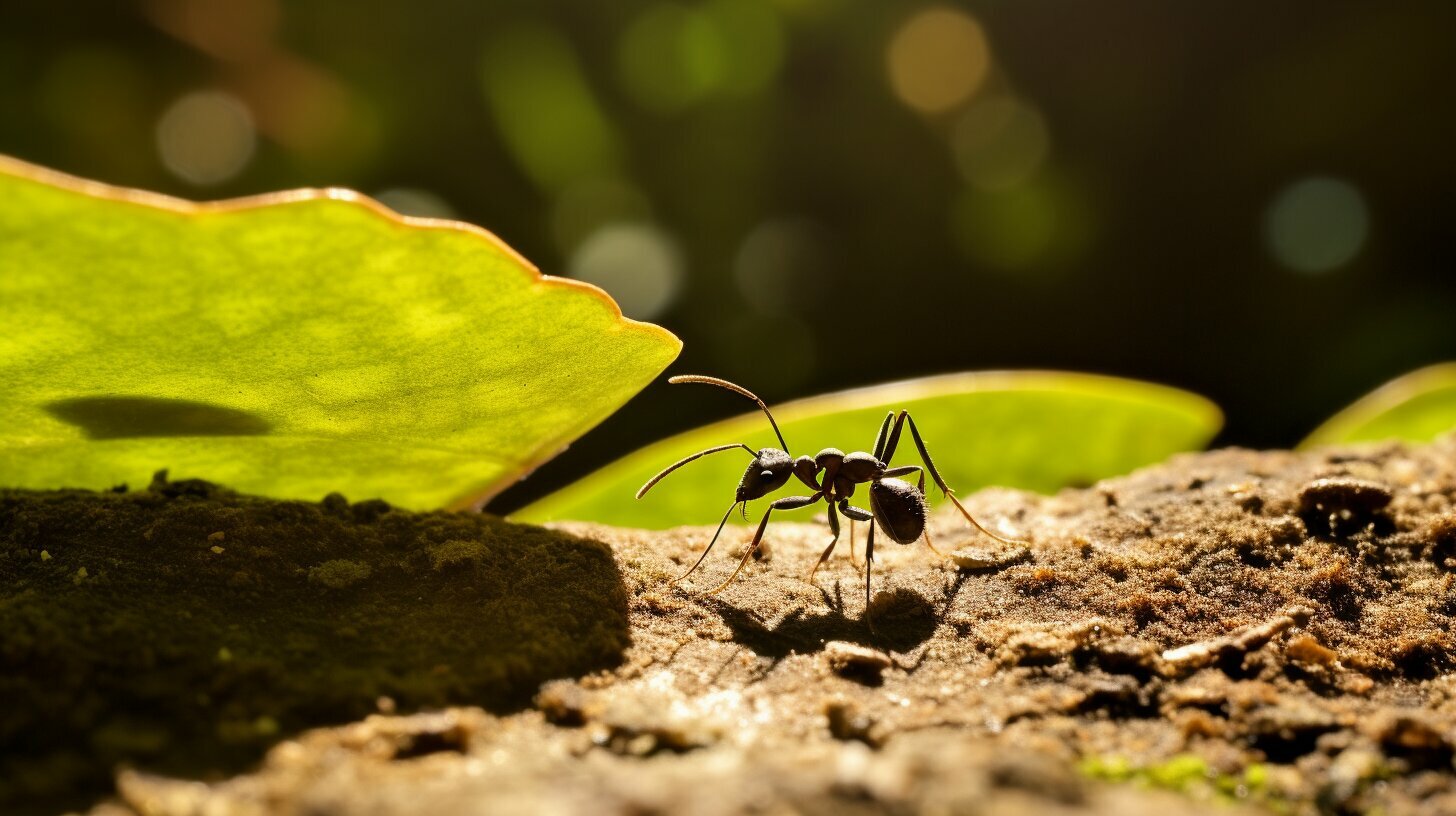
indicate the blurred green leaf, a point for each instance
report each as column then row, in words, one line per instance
column 289, row 346
column 1034, row 430
column 1417, row 407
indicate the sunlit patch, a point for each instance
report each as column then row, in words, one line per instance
column 137, row 417
column 779, row 263
column 938, row 59
column 1316, row 224
column 999, row 142
column 416, row 202
column 206, row 137
column 588, row 205
column 1035, row 230
column 640, row 266
column 544, row 108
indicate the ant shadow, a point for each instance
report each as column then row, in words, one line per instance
column 902, row 620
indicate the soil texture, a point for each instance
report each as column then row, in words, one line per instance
column 1266, row 630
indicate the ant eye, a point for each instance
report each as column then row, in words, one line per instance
column 765, row 474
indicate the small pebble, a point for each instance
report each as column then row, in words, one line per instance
column 849, row 658
column 993, row 556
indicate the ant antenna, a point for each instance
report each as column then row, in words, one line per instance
column 699, row 378
column 685, row 460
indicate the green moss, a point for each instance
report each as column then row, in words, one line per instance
column 171, row 657
column 339, row 573
column 1190, row 775
column 456, row 551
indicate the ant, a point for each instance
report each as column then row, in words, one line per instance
column 896, row 505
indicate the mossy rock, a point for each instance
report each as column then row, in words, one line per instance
column 185, row 628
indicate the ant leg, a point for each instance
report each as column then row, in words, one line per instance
column 854, row 514
column 869, row 563
column 880, row 439
column 786, row 503
column 920, row 484
column 935, row 474
column 710, row 543
column 833, row 528
column 679, row 463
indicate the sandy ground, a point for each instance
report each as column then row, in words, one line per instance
column 1263, row 629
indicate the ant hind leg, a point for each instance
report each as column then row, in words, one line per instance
column 905, row 417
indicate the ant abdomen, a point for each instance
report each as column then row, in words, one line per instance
column 899, row 509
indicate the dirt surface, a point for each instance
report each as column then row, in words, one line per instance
column 1270, row 630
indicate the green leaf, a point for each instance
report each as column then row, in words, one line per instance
column 1417, row 407
column 1034, row 430
column 290, row 345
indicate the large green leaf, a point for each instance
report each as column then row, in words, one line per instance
column 1417, row 407
column 1033, row 430
column 289, row 345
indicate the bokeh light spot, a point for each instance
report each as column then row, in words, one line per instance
column 999, row 142
column 587, row 205
column 232, row 30
column 938, row 59
column 415, row 202
column 1316, row 224
column 1034, row 231
column 670, row 57
column 753, row 43
column 206, row 137
column 545, row 109
column 780, row 264
column 640, row 266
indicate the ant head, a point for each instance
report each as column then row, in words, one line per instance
column 770, row 469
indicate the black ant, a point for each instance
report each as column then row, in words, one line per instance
column 895, row 504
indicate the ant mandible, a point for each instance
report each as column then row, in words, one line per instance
column 895, row 504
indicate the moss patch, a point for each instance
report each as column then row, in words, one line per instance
column 185, row 628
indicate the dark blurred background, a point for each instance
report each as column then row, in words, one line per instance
column 1249, row 200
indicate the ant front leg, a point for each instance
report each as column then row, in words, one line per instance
column 894, row 439
column 697, row 563
column 786, row 503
